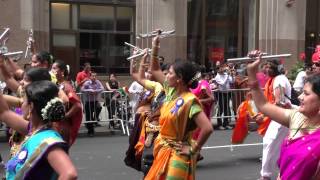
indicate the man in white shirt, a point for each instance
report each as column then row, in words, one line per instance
column 224, row 80
column 275, row 133
column 135, row 90
column 299, row 81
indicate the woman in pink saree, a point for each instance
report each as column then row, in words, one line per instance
column 203, row 93
column 300, row 151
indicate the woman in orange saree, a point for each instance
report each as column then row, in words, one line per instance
column 174, row 150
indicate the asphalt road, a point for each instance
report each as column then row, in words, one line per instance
column 101, row 157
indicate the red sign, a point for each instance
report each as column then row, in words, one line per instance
column 216, row 54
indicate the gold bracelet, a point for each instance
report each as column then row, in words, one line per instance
column 155, row 56
column 191, row 151
column 20, row 102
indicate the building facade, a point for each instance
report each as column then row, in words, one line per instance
column 207, row 31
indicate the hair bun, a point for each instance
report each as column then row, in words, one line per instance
column 53, row 111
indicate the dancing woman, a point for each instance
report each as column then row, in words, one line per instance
column 43, row 153
column 300, row 151
column 138, row 138
column 174, row 151
column 31, row 75
column 70, row 126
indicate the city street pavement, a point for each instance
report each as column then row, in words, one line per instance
column 101, row 157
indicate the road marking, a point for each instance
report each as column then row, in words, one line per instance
column 231, row 146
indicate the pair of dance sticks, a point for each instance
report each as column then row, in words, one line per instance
column 163, row 34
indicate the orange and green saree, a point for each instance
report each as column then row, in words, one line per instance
column 176, row 126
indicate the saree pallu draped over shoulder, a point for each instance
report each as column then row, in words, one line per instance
column 300, row 157
column 176, row 127
column 30, row 162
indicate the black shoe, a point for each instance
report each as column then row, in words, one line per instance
column 199, row 158
column 90, row 134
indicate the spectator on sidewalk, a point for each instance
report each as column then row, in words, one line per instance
column 83, row 75
column 224, row 80
column 92, row 88
column 111, row 85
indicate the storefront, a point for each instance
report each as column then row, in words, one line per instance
column 207, row 31
column 312, row 27
column 92, row 32
column 218, row 30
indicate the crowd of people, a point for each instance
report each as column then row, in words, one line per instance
column 172, row 105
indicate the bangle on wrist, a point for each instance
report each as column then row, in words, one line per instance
column 191, row 151
column 155, row 56
column 20, row 102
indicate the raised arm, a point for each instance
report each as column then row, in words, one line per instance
column 140, row 76
column 12, row 84
column 12, row 119
column 274, row 112
column 155, row 65
column 15, row 68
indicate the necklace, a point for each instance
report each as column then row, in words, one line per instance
column 304, row 127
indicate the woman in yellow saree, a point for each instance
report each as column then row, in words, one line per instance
column 174, row 151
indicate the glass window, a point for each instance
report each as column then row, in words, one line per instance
column 118, row 53
column 74, row 17
column 60, row 16
column 124, row 19
column 64, row 40
column 222, row 29
column 105, row 52
column 96, row 17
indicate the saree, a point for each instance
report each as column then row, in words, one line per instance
column 69, row 127
column 300, row 157
column 268, row 93
column 137, row 136
column 132, row 159
column 30, row 161
column 203, row 85
column 240, row 130
column 176, row 126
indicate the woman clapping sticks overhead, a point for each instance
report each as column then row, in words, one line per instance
column 181, row 114
column 300, row 151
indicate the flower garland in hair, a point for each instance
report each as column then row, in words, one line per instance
column 54, row 110
column 196, row 77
